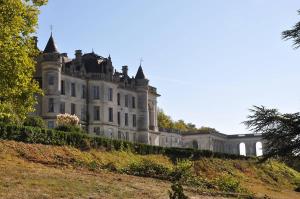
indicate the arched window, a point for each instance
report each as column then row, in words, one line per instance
column 242, row 148
column 258, row 147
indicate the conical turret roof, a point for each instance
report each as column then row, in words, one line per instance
column 50, row 47
column 140, row 73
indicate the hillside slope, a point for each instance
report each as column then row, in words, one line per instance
column 40, row 171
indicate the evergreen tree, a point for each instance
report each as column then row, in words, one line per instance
column 280, row 131
column 18, row 21
column 293, row 34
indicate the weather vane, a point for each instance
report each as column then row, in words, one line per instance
column 141, row 61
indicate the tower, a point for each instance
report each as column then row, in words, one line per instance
column 50, row 63
column 142, row 104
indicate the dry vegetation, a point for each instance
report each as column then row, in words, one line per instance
column 40, row 171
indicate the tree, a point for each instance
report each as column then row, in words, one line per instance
column 293, row 34
column 18, row 21
column 164, row 121
column 281, row 131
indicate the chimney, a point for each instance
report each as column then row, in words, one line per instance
column 125, row 70
column 78, row 54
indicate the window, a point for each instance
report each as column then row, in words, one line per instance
column 126, row 100
column 126, row 119
column 134, row 120
column 73, row 90
column 51, row 80
column 62, row 87
column 83, row 113
column 110, row 94
column 96, row 94
column 127, row 136
column 62, row 107
column 96, row 113
column 97, row 130
column 119, row 99
column 83, row 92
column 119, row 118
column 51, row 105
column 73, row 109
column 110, row 115
column 133, row 102
column 134, row 137
column 119, row 135
column 50, row 124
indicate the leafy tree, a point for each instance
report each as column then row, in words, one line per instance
column 281, row 131
column 293, row 34
column 180, row 125
column 164, row 121
column 18, row 21
column 35, row 121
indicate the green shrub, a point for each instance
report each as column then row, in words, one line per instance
column 34, row 121
column 228, row 183
column 70, row 128
column 177, row 191
column 147, row 168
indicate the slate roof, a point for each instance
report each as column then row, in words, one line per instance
column 50, row 47
column 140, row 73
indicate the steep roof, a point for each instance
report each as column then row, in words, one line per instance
column 140, row 73
column 50, row 47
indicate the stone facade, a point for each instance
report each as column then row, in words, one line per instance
column 109, row 103
column 112, row 104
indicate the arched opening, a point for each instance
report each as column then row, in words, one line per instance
column 195, row 144
column 242, row 148
column 259, row 151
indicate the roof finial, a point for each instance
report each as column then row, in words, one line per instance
column 92, row 50
column 141, row 61
column 51, row 29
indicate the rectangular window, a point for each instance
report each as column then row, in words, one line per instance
column 110, row 94
column 127, row 136
column 134, row 120
column 133, row 102
column 134, row 137
column 96, row 94
column 51, row 80
column 73, row 90
column 83, row 113
column 119, row 98
column 96, row 113
column 110, row 114
column 119, row 118
column 51, row 105
column 126, row 100
column 62, row 87
column 50, row 124
column 126, row 119
column 62, row 107
column 97, row 130
column 83, row 92
column 119, row 135
column 73, row 109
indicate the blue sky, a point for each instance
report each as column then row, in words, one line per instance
column 210, row 60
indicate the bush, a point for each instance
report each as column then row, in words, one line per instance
column 70, row 128
column 228, row 184
column 34, row 121
column 177, row 191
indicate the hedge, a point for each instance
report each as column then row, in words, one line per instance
column 82, row 141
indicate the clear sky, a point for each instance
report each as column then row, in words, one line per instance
column 210, row 60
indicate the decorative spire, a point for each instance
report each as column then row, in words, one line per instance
column 140, row 73
column 50, row 47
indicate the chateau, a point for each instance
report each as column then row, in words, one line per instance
column 110, row 103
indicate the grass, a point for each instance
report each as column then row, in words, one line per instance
column 40, row 171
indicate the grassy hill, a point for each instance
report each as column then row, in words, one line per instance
column 43, row 171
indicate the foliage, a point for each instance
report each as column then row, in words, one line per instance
column 165, row 123
column 177, row 191
column 70, row 128
column 281, row 131
column 18, row 19
column 293, row 34
column 228, row 183
column 83, row 141
column 35, row 121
